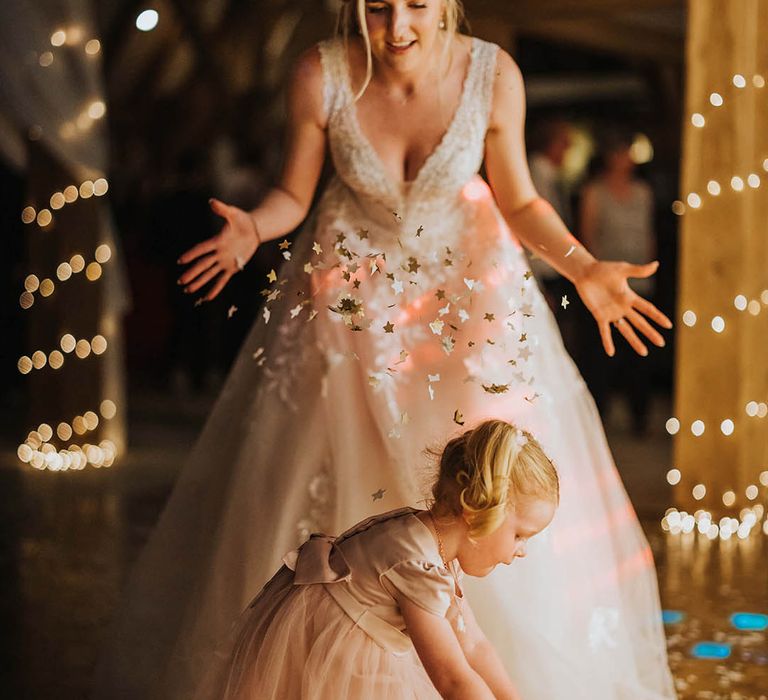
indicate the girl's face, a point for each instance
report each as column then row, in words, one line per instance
column 403, row 33
column 508, row 542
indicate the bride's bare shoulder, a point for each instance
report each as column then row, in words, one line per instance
column 508, row 91
column 305, row 85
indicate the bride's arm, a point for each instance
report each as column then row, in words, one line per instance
column 602, row 285
column 285, row 205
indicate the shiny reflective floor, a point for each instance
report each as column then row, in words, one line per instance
column 67, row 541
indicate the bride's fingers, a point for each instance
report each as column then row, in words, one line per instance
column 631, row 337
column 645, row 328
column 203, row 279
column 197, row 269
column 195, row 252
column 642, row 270
column 605, row 336
column 218, row 207
column 220, row 284
column 645, row 307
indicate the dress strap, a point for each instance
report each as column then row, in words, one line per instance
column 484, row 76
column 335, row 75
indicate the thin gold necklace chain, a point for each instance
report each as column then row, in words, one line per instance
column 458, row 595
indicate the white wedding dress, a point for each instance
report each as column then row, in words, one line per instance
column 403, row 312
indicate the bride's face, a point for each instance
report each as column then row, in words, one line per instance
column 403, row 33
column 508, row 542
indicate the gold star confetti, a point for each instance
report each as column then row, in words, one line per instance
column 463, row 315
column 378, row 495
column 374, row 267
column 448, row 342
column 413, row 265
column 308, row 268
column 419, row 231
column 231, row 311
column 397, row 287
column 316, row 247
column 389, row 327
column 489, row 317
column 397, row 216
column 523, row 338
column 564, row 301
column 340, row 238
column 437, row 327
column 440, row 294
column 496, row 388
column 528, row 274
column 525, row 353
column 356, row 284
column 570, row 250
column 362, row 234
column 458, row 418
column 272, row 277
column 403, row 357
column 284, row 244
column 287, row 254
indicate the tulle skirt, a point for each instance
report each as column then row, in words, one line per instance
column 296, row 643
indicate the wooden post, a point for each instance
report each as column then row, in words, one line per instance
column 724, row 254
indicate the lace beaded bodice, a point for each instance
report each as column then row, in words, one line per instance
column 453, row 162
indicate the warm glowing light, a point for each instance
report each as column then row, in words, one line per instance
column 641, row 150
column 672, row 426
column 64, row 431
column 98, row 344
column 716, row 99
column 713, row 187
column 97, row 109
column 44, row 217
column 147, row 20
column 678, row 208
column 46, row 287
column 31, row 283
column 673, row 476
column 764, row 478
column 86, row 189
column 762, row 410
column 103, row 253
column 24, row 453
column 24, row 365
column 727, row 426
column 28, row 215
column 698, row 120
column 737, row 183
column 26, row 300
column 753, row 180
column 100, row 187
column 698, row 427
column 64, row 271
column 93, row 47
column 694, row 201
column 699, row 491
column 689, row 318
column 754, row 307
column 718, row 324
column 67, row 342
column 56, row 359
column 729, row 498
column 78, row 425
column 77, row 262
column 739, row 80
column 108, row 409
column 82, row 349
column 758, row 81
column 70, row 194
column 764, row 296
column 740, row 302
column 46, row 59
column 751, row 492
column 58, row 37
column 39, row 359
column 91, row 420
column 751, row 409
column 93, row 271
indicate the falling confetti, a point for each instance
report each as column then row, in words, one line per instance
column 266, row 313
column 496, row 388
column 309, row 268
column 231, row 311
column 489, row 317
column 458, row 417
column 440, row 294
column 437, row 327
column 378, row 495
column 284, row 244
column 397, row 216
column 389, row 327
column 570, row 251
column 316, row 247
column 564, row 301
column 525, row 354
column 362, row 234
column 463, row 315
column 272, row 277
column 397, row 287
column 419, row 231
column 296, row 310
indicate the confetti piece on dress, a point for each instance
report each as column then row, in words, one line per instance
column 564, row 301
column 378, row 495
column 437, row 327
column 431, row 392
column 470, row 283
column 389, row 327
column 397, row 216
column 362, row 234
column 259, row 352
column 296, row 310
column 531, row 399
column 458, row 418
column 272, row 277
column 413, row 265
column 525, row 353
column 312, row 315
column 463, row 315
column 496, row 388
column 489, row 317
column 419, row 231
column 316, row 247
column 397, row 287
column 309, row 268
column 528, row 274
column 440, row 294
column 231, row 311
column 284, row 244
column 444, row 310
column 266, row 313
column 448, row 343
column 570, row 250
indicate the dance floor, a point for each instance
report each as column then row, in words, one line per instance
column 66, row 542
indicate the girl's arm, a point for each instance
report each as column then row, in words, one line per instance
column 285, row 206
column 602, row 285
column 482, row 656
column 442, row 655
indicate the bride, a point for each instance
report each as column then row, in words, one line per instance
column 405, row 311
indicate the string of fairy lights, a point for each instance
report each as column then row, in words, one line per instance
column 752, row 515
column 38, row 449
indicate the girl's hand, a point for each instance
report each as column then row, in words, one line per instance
column 604, row 289
column 224, row 254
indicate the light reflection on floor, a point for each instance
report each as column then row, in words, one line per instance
column 66, row 544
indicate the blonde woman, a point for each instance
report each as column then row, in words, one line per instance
column 406, row 310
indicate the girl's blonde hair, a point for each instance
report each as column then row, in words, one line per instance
column 485, row 469
column 351, row 20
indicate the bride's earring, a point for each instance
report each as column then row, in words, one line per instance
column 442, row 23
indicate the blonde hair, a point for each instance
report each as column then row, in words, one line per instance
column 352, row 19
column 485, row 469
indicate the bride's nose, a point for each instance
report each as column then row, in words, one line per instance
column 398, row 24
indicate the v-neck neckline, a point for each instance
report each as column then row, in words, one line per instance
column 400, row 185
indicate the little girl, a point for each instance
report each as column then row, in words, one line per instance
column 378, row 612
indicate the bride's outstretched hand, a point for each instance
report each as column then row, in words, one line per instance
column 604, row 289
column 223, row 255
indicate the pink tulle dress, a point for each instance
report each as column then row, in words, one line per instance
column 327, row 626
